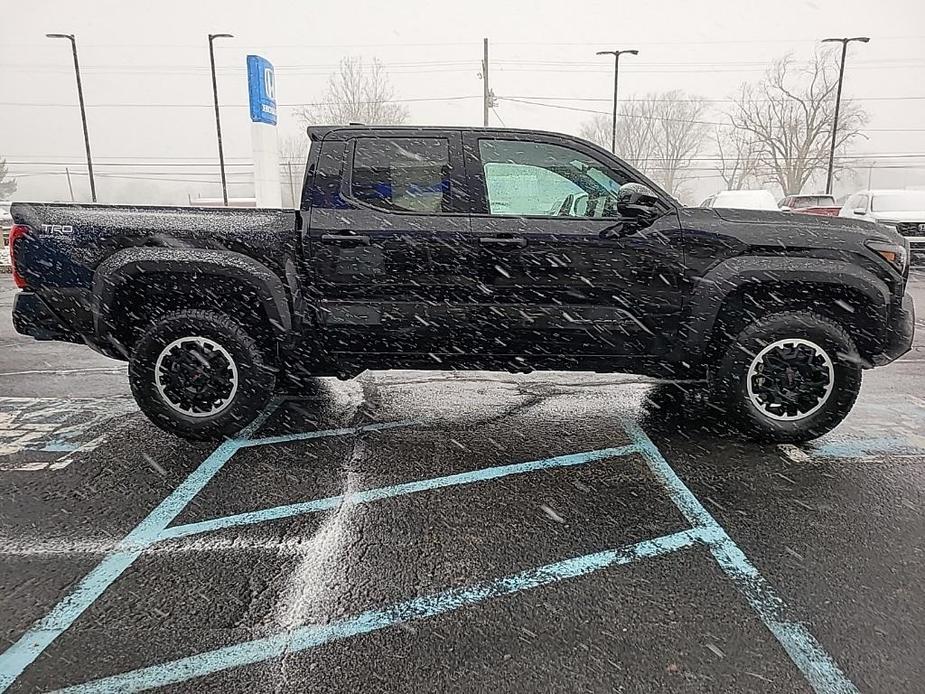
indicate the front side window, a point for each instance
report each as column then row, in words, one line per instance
column 402, row 174
column 546, row 180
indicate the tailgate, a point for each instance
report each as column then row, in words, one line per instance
column 822, row 211
column 47, row 254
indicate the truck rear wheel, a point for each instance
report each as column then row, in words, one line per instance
column 790, row 377
column 199, row 375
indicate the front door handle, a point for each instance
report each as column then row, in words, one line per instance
column 350, row 239
column 518, row 241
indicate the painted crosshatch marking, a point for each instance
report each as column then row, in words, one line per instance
column 820, row 670
column 47, row 433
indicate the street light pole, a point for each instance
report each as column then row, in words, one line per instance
column 841, row 75
column 218, row 120
column 83, row 111
column 616, row 81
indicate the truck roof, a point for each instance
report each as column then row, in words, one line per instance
column 317, row 132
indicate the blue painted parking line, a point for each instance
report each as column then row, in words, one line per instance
column 304, row 436
column 854, row 447
column 364, row 497
column 310, row 636
column 817, row 666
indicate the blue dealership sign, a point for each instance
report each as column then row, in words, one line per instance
column 261, row 86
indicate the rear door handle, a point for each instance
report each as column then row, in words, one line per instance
column 518, row 241
column 350, row 239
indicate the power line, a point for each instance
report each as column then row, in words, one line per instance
column 699, row 122
column 699, row 100
column 498, row 116
column 235, row 105
column 474, row 42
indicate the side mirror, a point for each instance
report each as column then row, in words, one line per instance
column 859, row 210
column 786, row 208
column 637, row 204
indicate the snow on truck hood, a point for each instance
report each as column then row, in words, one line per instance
column 810, row 223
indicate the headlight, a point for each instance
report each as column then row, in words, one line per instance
column 892, row 253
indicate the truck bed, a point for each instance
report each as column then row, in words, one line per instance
column 58, row 254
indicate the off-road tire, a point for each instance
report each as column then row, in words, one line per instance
column 731, row 385
column 255, row 378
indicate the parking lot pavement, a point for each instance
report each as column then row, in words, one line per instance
column 412, row 531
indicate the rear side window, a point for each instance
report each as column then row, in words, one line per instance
column 402, row 174
column 814, row 201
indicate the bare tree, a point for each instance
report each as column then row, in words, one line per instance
column 634, row 133
column 738, row 159
column 660, row 134
column 678, row 136
column 7, row 184
column 293, row 152
column 356, row 93
column 293, row 148
column 597, row 130
column 790, row 113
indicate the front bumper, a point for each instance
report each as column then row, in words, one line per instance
column 33, row 317
column 900, row 331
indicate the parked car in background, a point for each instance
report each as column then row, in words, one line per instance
column 742, row 200
column 902, row 210
column 6, row 221
column 810, row 204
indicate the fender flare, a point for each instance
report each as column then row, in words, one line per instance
column 127, row 264
column 711, row 291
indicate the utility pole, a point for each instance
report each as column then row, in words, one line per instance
column 218, row 120
column 83, row 111
column 616, row 81
column 292, row 185
column 67, row 172
column 841, row 75
column 486, row 92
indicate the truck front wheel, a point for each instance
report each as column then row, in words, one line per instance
column 199, row 375
column 790, row 377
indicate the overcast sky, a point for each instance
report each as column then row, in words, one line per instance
column 145, row 69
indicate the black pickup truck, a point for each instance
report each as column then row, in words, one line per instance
column 461, row 248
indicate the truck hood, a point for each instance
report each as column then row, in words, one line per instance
column 788, row 227
column 893, row 217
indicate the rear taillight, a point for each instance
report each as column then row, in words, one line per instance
column 17, row 232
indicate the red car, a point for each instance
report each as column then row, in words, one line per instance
column 810, row 204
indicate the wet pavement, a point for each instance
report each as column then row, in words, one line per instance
column 426, row 531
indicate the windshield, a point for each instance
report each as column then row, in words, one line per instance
column 911, row 201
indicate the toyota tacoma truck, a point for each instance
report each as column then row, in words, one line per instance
column 464, row 248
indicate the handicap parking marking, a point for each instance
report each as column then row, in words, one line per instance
column 369, row 495
column 51, row 432
column 896, row 434
column 818, row 667
column 310, row 635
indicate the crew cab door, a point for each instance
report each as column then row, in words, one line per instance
column 567, row 275
column 391, row 255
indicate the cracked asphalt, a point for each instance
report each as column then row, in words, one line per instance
column 835, row 527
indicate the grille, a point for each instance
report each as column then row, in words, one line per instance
column 911, row 228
